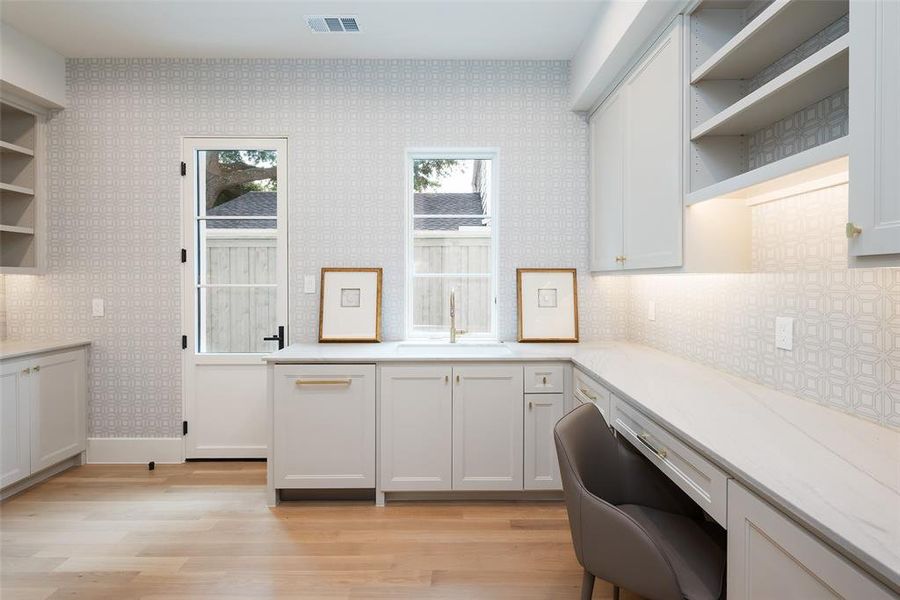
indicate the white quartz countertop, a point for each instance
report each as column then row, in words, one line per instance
column 837, row 474
column 16, row 348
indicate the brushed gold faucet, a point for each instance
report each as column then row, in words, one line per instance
column 453, row 330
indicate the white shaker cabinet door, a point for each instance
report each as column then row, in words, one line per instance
column 607, row 130
column 324, row 426
column 15, row 422
column 487, row 427
column 874, row 128
column 542, row 411
column 652, row 210
column 416, row 427
column 769, row 556
column 58, row 408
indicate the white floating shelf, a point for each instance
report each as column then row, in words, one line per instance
column 781, row 27
column 17, row 229
column 8, row 148
column 777, row 179
column 813, row 79
column 8, row 187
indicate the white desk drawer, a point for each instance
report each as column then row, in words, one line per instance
column 588, row 390
column 544, row 379
column 700, row 479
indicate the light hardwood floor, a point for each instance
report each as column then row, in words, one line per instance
column 202, row 530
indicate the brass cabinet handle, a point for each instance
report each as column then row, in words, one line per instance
column 346, row 381
column 645, row 439
column 457, row 379
column 587, row 394
column 446, row 379
column 853, row 230
column 530, row 405
column 37, row 368
column 545, row 380
column 620, row 259
column 26, row 371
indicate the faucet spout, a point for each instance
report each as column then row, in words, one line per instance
column 453, row 330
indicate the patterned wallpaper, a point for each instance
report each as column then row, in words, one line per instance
column 114, row 205
column 847, row 330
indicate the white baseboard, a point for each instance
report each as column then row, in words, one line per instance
column 135, row 450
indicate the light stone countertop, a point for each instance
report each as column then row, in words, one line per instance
column 17, row 348
column 837, row 474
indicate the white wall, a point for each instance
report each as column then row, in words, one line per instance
column 30, row 69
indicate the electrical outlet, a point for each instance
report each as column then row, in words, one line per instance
column 309, row 284
column 97, row 307
column 651, row 310
column 784, row 333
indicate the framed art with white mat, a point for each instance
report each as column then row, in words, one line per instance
column 547, row 305
column 350, row 305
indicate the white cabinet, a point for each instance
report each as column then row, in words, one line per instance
column 636, row 165
column 588, row 390
column 58, row 408
column 542, row 411
column 324, row 426
column 416, row 427
column 487, row 427
column 15, row 421
column 875, row 128
column 770, row 556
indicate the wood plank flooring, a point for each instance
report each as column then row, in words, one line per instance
column 202, row 530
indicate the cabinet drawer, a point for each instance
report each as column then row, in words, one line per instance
column 588, row 390
column 544, row 379
column 696, row 476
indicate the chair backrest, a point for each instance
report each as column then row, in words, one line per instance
column 588, row 452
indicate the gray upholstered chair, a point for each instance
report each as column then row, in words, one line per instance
column 630, row 525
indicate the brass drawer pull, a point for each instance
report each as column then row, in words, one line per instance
column 346, row 381
column 587, row 394
column 852, row 230
column 645, row 439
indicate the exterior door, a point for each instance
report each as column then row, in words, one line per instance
column 487, row 427
column 416, row 427
column 235, row 289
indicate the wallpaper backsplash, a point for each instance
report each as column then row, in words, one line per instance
column 847, row 321
column 114, row 207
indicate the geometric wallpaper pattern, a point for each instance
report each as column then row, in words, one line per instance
column 847, row 321
column 114, row 207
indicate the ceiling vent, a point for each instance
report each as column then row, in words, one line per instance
column 319, row 24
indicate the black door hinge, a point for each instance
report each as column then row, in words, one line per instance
column 184, row 342
column 184, row 428
column 184, row 255
column 183, row 169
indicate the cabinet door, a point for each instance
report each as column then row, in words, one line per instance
column 324, row 426
column 607, row 163
column 769, row 556
column 652, row 213
column 58, row 408
column 542, row 411
column 487, row 427
column 875, row 127
column 15, row 422
column 416, row 428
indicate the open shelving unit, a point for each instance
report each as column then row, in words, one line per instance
column 18, row 200
column 753, row 65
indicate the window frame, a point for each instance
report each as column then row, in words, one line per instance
column 474, row 153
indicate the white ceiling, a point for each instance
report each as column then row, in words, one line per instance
column 428, row 29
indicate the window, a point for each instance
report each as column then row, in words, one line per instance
column 451, row 243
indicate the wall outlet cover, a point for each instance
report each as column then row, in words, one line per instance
column 97, row 309
column 309, row 284
column 784, row 333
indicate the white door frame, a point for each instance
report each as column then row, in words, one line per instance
column 191, row 359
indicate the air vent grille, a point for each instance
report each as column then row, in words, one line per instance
column 329, row 24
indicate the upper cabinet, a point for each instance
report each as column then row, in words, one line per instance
column 874, row 211
column 636, row 164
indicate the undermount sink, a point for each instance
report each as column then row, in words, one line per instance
column 473, row 349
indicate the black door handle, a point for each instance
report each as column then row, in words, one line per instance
column 279, row 337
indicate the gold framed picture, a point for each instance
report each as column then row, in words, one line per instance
column 350, row 304
column 547, row 305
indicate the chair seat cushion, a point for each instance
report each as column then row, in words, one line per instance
column 695, row 554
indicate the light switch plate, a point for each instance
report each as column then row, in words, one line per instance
column 784, row 333
column 97, row 307
column 309, row 284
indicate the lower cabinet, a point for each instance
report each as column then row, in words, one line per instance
column 43, row 412
column 487, row 427
column 324, row 426
column 416, row 428
column 769, row 556
column 542, row 411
